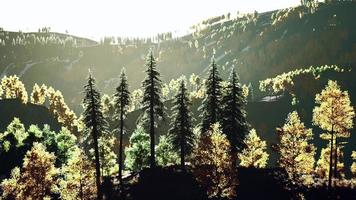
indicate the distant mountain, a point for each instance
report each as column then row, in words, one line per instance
column 258, row 45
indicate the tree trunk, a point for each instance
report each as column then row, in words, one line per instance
column 335, row 160
column 96, row 148
column 152, row 136
column 331, row 158
column 182, row 152
column 152, row 126
column 121, row 148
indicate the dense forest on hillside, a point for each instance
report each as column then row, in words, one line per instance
column 252, row 106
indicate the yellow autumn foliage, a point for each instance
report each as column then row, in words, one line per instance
column 254, row 155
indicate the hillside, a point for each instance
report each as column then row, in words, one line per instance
column 27, row 113
column 258, row 45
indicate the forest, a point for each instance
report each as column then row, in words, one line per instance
column 235, row 110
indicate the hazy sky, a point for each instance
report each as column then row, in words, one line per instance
column 138, row 18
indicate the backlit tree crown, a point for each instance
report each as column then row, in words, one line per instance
column 254, row 155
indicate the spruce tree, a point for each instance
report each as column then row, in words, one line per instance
column 152, row 101
column 234, row 122
column 181, row 133
column 94, row 121
column 122, row 102
column 211, row 104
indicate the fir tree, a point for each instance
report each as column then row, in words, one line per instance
column 234, row 116
column 181, row 133
column 122, row 103
column 210, row 106
column 95, row 122
column 152, row 101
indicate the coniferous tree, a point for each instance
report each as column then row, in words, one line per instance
column 296, row 151
column 122, row 103
column 255, row 154
column 152, row 101
column 211, row 104
column 95, row 122
column 334, row 115
column 212, row 164
column 234, row 122
column 181, row 133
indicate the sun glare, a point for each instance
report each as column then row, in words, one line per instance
column 130, row 18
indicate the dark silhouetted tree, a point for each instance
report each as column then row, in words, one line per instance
column 152, row 101
column 122, row 103
column 94, row 121
column 233, row 121
column 181, row 133
column 210, row 107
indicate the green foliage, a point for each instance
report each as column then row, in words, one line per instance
column 14, row 135
column 122, row 106
column 95, row 124
column 16, row 141
column 152, row 101
column 137, row 154
column 165, row 153
column 108, row 157
column 78, row 180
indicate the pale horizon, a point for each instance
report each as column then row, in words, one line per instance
column 96, row 19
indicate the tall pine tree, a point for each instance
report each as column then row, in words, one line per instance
column 211, row 104
column 234, row 121
column 152, row 101
column 122, row 102
column 181, row 133
column 94, row 121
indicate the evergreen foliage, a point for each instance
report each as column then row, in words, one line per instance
column 122, row 103
column 152, row 102
column 181, row 133
column 234, row 122
column 210, row 108
column 95, row 122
